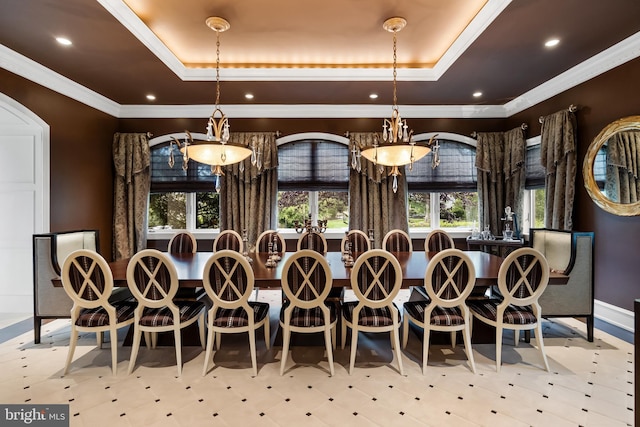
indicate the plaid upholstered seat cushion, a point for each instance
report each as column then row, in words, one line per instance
column 368, row 316
column 162, row 316
column 513, row 315
column 309, row 318
column 238, row 317
column 440, row 316
column 96, row 317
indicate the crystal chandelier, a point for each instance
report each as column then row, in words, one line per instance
column 397, row 147
column 216, row 150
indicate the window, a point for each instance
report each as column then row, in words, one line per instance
column 444, row 197
column 534, row 194
column 181, row 199
column 311, row 182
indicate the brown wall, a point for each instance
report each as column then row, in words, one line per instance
column 601, row 100
column 81, row 170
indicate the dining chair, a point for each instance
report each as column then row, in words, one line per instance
column 88, row 281
column 228, row 239
column 522, row 278
column 306, row 282
column 359, row 241
column 314, row 241
column 228, row 280
column 153, row 281
column 448, row 281
column 376, row 279
column 438, row 240
column 183, row 242
column 266, row 237
column 397, row 241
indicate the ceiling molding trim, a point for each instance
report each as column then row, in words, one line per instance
column 309, row 74
column 482, row 20
column 313, row 111
column 18, row 64
column 618, row 54
column 134, row 24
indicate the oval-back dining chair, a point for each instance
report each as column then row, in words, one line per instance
column 397, row 241
column 228, row 279
column 523, row 277
column 359, row 241
column 376, row 279
column 438, row 240
column 448, row 282
column 266, row 237
column 87, row 279
column 153, row 281
column 228, row 239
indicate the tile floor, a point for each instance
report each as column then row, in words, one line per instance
column 591, row 384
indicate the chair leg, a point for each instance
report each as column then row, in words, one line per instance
column 466, row 335
column 541, row 344
column 328, row 341
column 73, row 340
column 218, row 340
column 201, row 323
column 178, row 339
column 100, row 339
column 516, row 337
column 396, row 344
column 590, row 322
column 135, row 346
column 267, row 334
column 147, row 339
column 354, row 345
column 252, row 349
column 113, row 337
column 210, row 338
column 405, row 330
column 334, row 338
column 37, row 326
column 343, row 333
column 286, row 334
column 454, row 336
column 498, row 348
column 425, row 348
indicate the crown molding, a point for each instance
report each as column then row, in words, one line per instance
column 618, row 54
column 31, row 70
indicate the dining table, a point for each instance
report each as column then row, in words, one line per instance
column 190, row 268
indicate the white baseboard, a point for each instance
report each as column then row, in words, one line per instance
column 16, row 304
column 614, row 315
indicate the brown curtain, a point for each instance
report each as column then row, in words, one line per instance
column 558, row 156
column 623, row 167
column 131, row 159
column 248, row 194
column 372, row 202
column 500, row 159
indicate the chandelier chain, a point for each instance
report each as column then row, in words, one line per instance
column 217, row 69
column 395, row 73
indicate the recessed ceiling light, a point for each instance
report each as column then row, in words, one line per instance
column 151, row 97
column 373, row 96
column 248, row 95
column 64, row 41
column 477, row 94
column 552, row 42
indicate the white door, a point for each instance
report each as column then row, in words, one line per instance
column 24, row 197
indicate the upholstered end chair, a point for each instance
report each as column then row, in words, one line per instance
column 571, row 253
column 49, row 252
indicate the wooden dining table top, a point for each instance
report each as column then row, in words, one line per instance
column 414, row 265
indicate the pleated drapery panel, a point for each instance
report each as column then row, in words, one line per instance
column 248, row 194
column 500, row 159
column 622, row 183
column 131, row 160
column 558, row 156
column 372, row 202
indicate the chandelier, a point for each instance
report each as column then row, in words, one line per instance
column 216, row 150
column 397, row 147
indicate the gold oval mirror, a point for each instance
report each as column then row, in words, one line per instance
column 611, row 168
